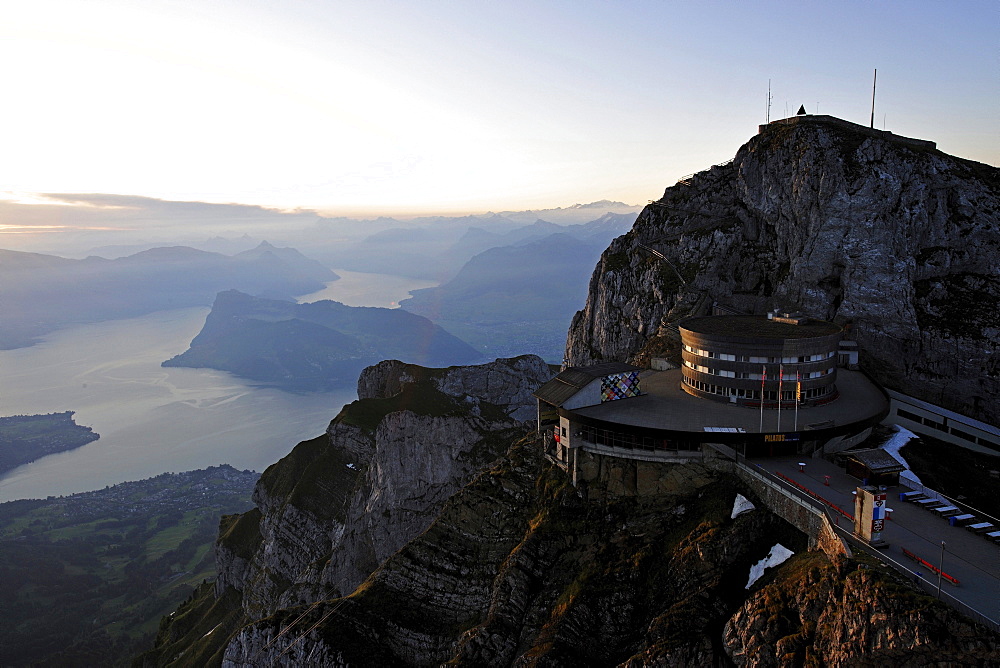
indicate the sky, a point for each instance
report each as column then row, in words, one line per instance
column 385, row 107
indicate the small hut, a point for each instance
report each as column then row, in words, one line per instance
column 874, row 466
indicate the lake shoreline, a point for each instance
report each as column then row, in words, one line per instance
column 152, row 419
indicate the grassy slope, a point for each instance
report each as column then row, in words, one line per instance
column 110, row 577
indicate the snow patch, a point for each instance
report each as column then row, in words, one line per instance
column 778, row 554
column 897, row 441
column 741, row 505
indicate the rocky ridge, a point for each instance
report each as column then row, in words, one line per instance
column 897, row 241
column 398, row 539
column 363, row 552
column 339, row 505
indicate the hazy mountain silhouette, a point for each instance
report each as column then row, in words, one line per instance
column 40, row 293
column 314, row 346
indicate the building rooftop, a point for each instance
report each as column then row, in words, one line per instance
column 757, row 326
column 876, row 460
column 664, row 405
column 573, row 379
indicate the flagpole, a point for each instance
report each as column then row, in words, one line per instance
column 763, row 379
column 781, row 376
column 798, row 397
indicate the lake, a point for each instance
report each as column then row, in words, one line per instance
column 153, row 419
column 358, row 289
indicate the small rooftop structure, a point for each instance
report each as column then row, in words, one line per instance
column 874, row 465
column 876, row 460
column 756, row 326
column 618, row 380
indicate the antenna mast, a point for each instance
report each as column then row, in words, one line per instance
column 874, row 79
column 768, row 101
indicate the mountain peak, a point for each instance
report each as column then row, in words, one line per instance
column 861, row 227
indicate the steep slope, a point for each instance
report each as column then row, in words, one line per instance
column 518, row 571
column 514, row 298
column 895, row 239
column 424, row 528
column 307, row 268
column 337, row 506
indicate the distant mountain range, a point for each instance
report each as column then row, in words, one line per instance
column 44, row 292
column 520, row 297
column 40, row 293
column 438, row 252
column 313, row 346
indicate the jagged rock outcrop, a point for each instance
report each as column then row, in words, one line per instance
column 518, row 570
column 337, row 506
column 502, row 382
column 805, row 617
column 425, row 528
column 899, row 241
column 418, row 532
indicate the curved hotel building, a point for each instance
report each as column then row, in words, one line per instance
column 762, row 385
column 745, row 359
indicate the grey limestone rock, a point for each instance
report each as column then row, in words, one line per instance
column 339, row 505
column 898, row 242
column 506, row 382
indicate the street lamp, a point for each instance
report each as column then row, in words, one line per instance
column 940, row 570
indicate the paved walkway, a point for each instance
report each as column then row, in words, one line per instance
column 971, row 558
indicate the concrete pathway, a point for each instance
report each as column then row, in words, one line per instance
column 971, row 558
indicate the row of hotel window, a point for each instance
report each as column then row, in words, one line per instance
column 769, row 395
column 753, row 376
column 617, row 439
column 818, row 357
column 940, row 426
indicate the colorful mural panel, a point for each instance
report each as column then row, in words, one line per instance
column 620, row 386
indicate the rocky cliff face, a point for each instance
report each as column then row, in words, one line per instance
column 425, row 528
column 900, row 242
column 339, row 505
column 518, row 570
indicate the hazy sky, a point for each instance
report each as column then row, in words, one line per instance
column 426, row 105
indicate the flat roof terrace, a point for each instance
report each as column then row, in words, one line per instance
column 664, row 405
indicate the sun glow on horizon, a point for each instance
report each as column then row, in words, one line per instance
column 447, row 107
